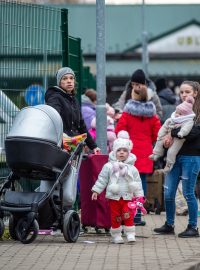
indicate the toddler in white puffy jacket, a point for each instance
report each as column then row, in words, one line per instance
column 122, row 182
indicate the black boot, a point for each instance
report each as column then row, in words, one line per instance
column 165, row 229
column 189, row 232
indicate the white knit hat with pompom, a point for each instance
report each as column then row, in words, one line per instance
column 122, row 141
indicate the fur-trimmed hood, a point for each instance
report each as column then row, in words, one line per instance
column 138, row 108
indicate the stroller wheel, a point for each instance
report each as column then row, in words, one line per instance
column 2, row 227
column 71, row 226
column 12, row 227
column 26, row 234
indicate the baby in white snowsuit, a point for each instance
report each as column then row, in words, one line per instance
column 183, row 117
column 122, row 182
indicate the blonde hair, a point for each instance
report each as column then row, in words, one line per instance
column 140, row 94
column 196, row 107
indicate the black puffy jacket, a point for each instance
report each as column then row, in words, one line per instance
column 69, row 109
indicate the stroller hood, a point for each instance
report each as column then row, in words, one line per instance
column 40, row 122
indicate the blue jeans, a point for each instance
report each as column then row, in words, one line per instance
column 186, row 168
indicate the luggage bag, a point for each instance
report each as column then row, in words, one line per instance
column 93, row 213
column 155, row 194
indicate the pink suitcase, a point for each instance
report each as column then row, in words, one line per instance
column 93, row 213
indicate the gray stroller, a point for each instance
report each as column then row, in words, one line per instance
column 34, row 151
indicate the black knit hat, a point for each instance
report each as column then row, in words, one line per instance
column 138, row 76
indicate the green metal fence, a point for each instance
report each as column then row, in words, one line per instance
column 34, row 43
column 30, row 54
column 89, row 80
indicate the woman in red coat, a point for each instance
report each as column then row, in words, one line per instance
column 139, row 119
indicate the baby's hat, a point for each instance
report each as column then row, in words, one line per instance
column 186, row 106
column 122, row 141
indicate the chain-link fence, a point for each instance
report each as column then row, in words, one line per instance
column 30, row 55
column 34, row 44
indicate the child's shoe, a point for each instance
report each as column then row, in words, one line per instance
column 141, row 223
column 131, row 237
column 130, row 233
column 138, row 219
column 117, row 235
column 154, row 157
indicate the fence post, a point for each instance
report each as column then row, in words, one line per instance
column 65, row 35
column 80, row 70
column 100, row 75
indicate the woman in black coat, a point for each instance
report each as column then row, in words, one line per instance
column 62, row 98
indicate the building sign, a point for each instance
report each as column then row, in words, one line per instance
column 186, row 40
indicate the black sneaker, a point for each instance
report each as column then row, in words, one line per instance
column 141, row 223
column 165, row 229
column 189, row 232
